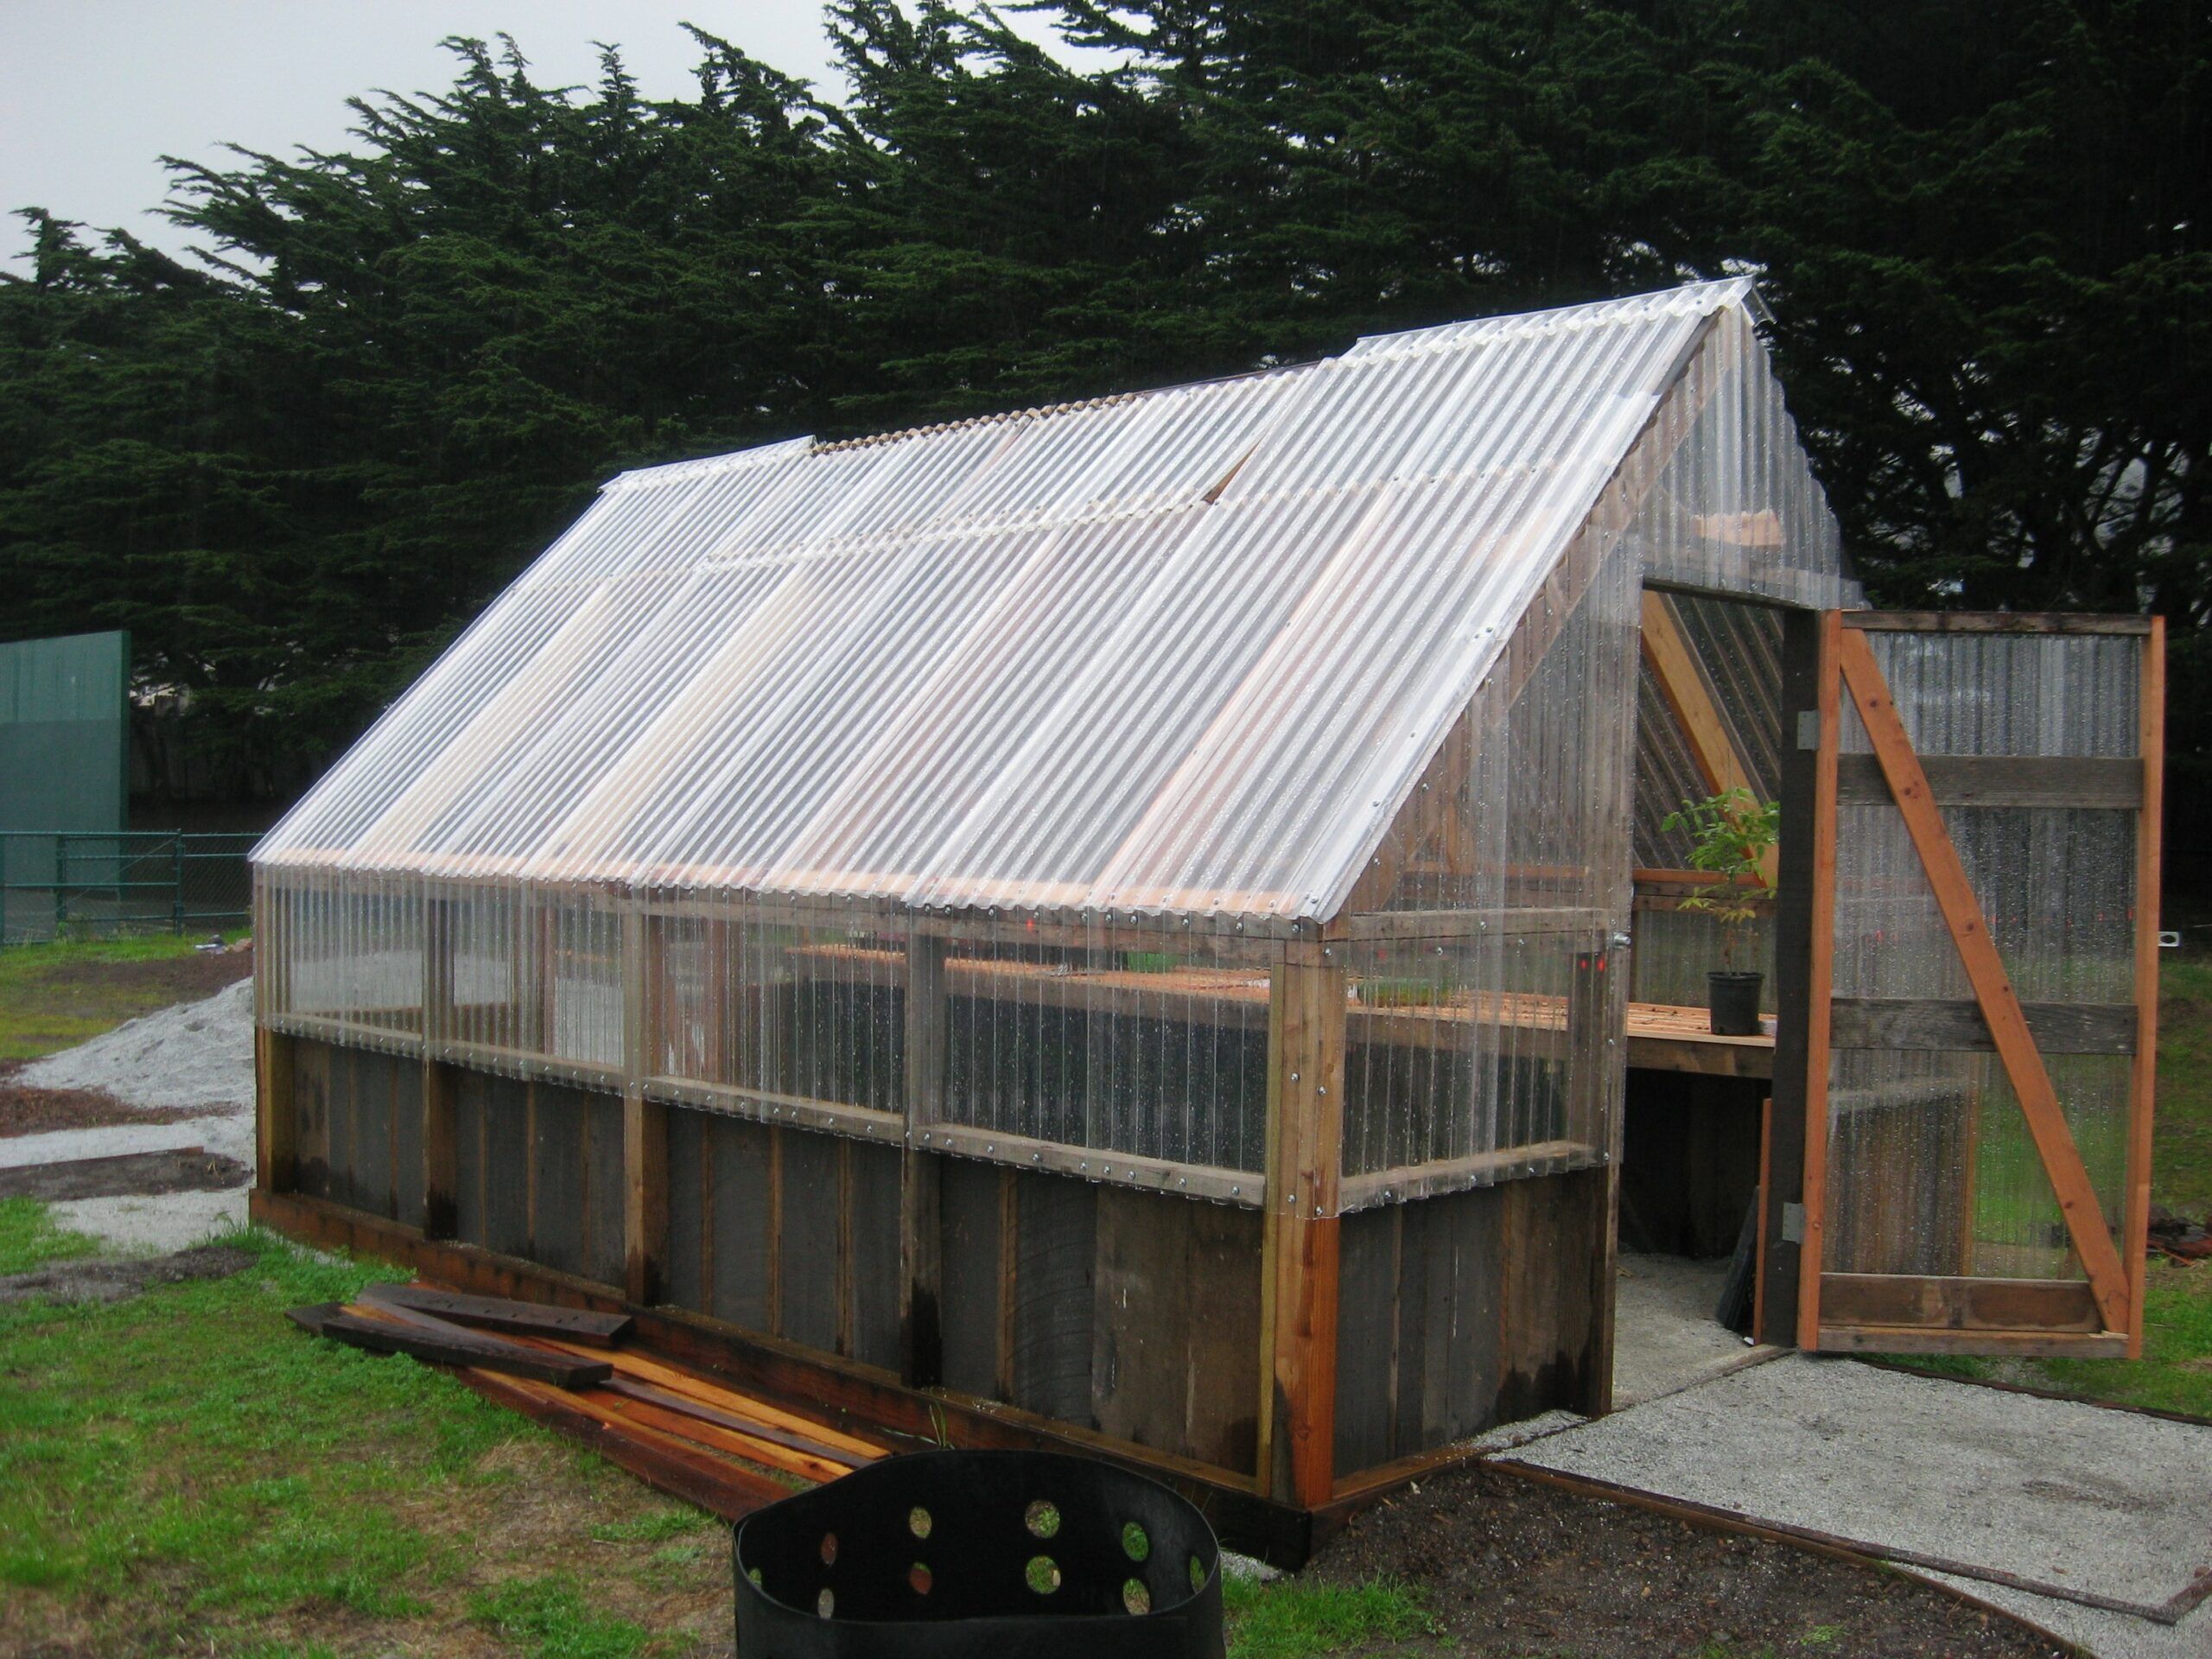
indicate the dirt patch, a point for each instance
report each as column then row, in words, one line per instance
column 1511, row 1566
column 131, row 1174
column 111, row 1281
column 26, row 1110
column 87, row 988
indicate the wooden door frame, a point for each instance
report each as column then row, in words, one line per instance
column 1826, row 659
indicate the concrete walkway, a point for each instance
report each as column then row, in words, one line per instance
column 2093, row 1523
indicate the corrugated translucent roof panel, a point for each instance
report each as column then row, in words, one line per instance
column 1179, row 652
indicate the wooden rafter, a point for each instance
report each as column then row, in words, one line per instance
column 1992, row 986
column 1683, row 682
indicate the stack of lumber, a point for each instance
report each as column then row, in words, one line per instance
column 678, row 1429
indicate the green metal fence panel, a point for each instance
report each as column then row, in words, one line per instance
column 65, row 761
column 64, row 756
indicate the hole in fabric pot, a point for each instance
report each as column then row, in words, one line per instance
column 1136, row 1597
column 1042, row 1518
column 918, row 1578
column 1134, row 1544
column 826, row 1603
column 1042, row 1574
column 828, row 1549
column 917, row 1522
column 1198, row 1575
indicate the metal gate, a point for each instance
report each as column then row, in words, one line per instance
column 1980, row 1002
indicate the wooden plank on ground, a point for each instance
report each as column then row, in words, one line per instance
column 630, row 1364
column 715, row 1483
column 684, row 1405
column 497, row 1313
column 455, row 1346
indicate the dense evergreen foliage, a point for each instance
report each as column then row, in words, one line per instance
column 293, row 469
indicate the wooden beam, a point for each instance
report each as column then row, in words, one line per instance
column 1958, row 1303
column 1682, row 683
column 2001, row 1005
column 921, row 1267
column 2142, row 1090
column 276, row 1118
column 1995, row 622
column 2067, row 780
column 1812, row 1016
column 1895, row 1022
column 1306, row 1071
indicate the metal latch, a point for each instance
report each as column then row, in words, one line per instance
column 1809, row 728
column 1793, row 1223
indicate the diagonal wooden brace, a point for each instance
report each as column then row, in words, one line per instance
column 1993, row 988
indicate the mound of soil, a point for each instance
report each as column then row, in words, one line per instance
column 1512, row 1565
column 129, row 1174
column 189, row 978
column 26, row 1110
column 111, row 1281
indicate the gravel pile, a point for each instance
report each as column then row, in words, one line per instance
column 196, row 1054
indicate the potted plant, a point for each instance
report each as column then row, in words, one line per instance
column 1731, row 835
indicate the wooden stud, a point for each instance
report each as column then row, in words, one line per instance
column 1819, row 980
column 644, row 1130
column 440, row 1152
column 275, row 1115
column 1009, row 1280
column 1306, row 1072
column 921, row 1239
column 2001, row 1005
column 2143, row 1079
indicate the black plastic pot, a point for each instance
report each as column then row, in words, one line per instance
column 1733, row 1002
column 1004, row 1555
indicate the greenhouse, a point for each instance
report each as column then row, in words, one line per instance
column 1133, row 922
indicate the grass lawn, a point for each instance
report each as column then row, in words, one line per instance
column 187, row 1472
column 53, row 996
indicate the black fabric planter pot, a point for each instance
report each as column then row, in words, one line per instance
column 1004, row 1555
column 1733, row 1002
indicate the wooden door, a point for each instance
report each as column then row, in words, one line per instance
column 1974, row 891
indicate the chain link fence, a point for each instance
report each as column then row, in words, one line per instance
column 105, row 885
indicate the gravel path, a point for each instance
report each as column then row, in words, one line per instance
column 195, row 1056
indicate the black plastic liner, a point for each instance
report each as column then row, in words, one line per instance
column 1006, row 1554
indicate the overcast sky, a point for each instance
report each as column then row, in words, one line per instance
column 92, row 92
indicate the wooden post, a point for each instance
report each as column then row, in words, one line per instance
column 2143, row 1080
column 1805, row 670
column 1306, row 1074
column 644, row 1128
column 276, row 1116
column 921, row 1245
column 441, row 1216
column 1819, row 980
